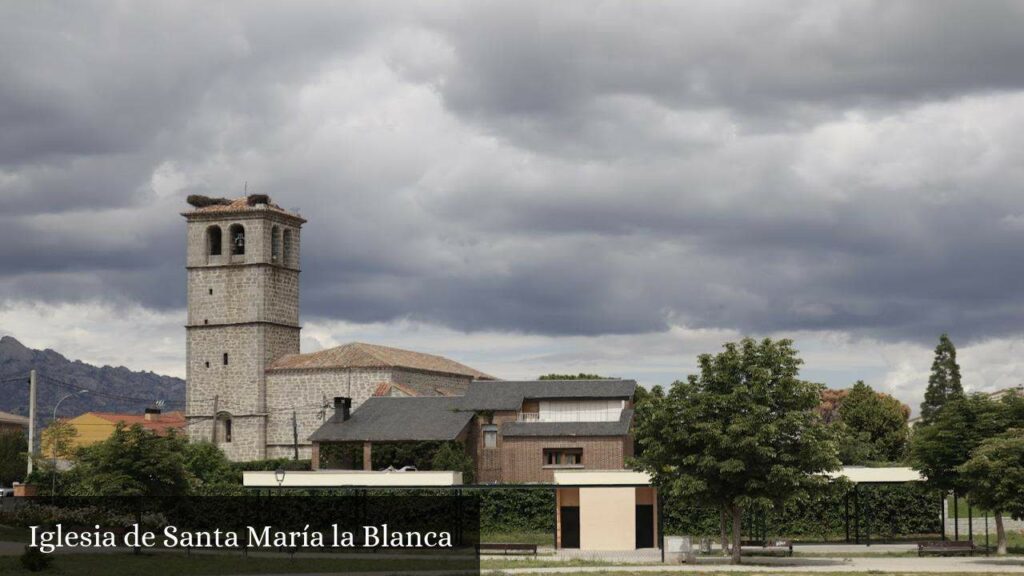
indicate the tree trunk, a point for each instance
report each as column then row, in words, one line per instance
column 737, row 533
column 1000, row 535
column 723, row 524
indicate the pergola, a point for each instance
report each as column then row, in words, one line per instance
column 858, row 475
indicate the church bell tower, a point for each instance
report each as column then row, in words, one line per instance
column 243, row 313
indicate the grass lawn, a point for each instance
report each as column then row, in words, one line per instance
column 539, row 538
column 126, row 564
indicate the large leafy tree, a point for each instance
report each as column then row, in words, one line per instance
column 131, row 462
column 939, row 447
column 744, row 432
column 872, row 426
column 995, row 474
column 944, row 382
column 13, row 454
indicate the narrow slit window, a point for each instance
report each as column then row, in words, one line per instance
column 225, row 358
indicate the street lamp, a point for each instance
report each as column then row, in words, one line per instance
column 279, row 475
column 53, row 473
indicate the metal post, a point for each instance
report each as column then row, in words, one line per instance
column 956, row 517
column 970, row 520
column 846, row 515
column 295, row 434
column 661, row 522
column 31, row 417
column 986, row 532
column 856, row 513
column 867, row 515
column 942, row 513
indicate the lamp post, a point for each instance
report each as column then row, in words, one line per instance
column 279, row 476
column 53, row 473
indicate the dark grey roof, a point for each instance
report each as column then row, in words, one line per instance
column 620, row 428
column 509, row 395
column 398, row 419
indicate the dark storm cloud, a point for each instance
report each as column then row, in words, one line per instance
column 574, row 168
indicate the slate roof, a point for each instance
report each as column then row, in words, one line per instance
column 619, row 428
column 398, row 419
column 362, row 355
column 508, row 395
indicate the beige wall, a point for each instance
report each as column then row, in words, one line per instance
column 608, row 518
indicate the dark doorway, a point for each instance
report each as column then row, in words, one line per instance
column 570, row 526
column 644, row 526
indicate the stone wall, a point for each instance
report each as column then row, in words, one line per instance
column 305, row 392
column 430, row 383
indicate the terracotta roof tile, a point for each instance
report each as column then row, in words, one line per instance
column 361, row 355
column 159, row 424
column 383, row 389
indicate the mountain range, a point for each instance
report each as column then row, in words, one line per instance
column 110, row 389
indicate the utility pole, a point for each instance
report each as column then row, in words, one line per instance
column 295, row 434
column 213, row 433
column 31, row 416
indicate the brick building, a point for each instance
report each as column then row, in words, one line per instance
column 516, row 432
column 248, row 388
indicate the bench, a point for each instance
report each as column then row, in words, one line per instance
column 772, row 545
column 946, row 548
column 507, row 547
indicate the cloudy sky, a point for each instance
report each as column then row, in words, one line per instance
column 609, row 187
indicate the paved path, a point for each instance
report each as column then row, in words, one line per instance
column 799, row 565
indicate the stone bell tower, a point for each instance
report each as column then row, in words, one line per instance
column 243, row 313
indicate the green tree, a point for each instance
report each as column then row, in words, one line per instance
column 944, row 382
column 873, row 426
column 938, row 448
column 995, row 474
column 13, row 457
column 210, row 471
column 743, row 433
column 452, row 456
column 131, row 462
column 58, row 440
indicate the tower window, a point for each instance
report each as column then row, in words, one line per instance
column 211, row 291
column 225, row 358
column 207, row 363
column 287, row 248
column 227, row 429
column 275, row 244
column 224, row 425
column 237, row 233
column 213, row 241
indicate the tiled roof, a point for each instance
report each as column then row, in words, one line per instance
column 398, row 420
column 504, row 395
column 619, row 428
column 236, row 205
column 159, row 424
column 383, row 389
column 361, row 355
column 8, row 418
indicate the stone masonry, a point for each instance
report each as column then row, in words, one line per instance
column 243, row 312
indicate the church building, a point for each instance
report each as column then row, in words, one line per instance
column 249, row 388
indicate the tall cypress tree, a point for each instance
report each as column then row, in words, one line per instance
column 944, row 382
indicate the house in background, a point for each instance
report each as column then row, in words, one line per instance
column 12, row 423
column 93, row 427
column 515, row 432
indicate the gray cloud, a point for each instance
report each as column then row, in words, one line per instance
column 578, row 169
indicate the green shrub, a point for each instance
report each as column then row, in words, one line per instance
column 35, row 561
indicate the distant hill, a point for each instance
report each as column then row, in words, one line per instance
column 112, row 389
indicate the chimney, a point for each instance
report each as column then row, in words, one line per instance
column 152, row 414
column 342, row 409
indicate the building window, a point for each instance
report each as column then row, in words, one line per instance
column 286, row 251
column 207, row 363
column 225, row 358
column 211, row 291
column 490, row 436
column 564, row 457
column 225, row 427
column 213, row 241
column 275, row 244
column 237, row 233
